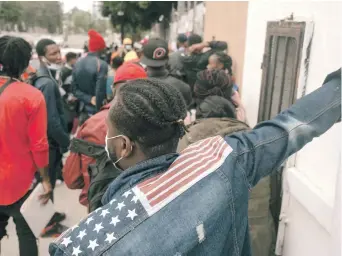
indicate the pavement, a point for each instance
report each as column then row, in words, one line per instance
column 66, row 201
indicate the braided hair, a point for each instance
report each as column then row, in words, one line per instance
column 212, row 82
column 151, row 113
column 15, row 55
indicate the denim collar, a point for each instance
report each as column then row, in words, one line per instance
column 135, row 174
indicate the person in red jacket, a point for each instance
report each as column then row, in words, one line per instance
column 75, row 171
column 23, row 140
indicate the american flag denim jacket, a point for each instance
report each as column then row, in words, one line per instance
column 196, row 203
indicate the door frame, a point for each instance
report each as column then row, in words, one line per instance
column 275, row 30
column 289, row 29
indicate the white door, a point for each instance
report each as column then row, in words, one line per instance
column 310, row 215
column 310, row 212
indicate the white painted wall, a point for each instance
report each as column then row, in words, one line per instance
column 312, row 180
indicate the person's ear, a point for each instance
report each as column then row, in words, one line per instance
column 127, row 147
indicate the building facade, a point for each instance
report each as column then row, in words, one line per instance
column 291, row 47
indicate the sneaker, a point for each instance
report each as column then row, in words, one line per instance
column 54, row 230
column 57, row 217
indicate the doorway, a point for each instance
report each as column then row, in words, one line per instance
column 280, row 71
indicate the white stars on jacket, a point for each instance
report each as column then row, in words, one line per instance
column 101, row 228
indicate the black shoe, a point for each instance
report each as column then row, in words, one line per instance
column 56, row 218
column 54, row 230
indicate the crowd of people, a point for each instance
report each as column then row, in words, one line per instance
column 157, row 141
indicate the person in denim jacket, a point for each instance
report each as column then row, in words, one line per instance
column 195, row 202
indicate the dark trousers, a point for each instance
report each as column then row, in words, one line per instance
column 27, row 240
column 55, row 165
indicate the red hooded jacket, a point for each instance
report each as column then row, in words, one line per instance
column 75, row 171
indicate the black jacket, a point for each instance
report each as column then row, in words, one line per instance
column 215, row 107
column 175, row 64
column 65, row 73
column 194, row 63
column 57, row 129
column 164, row 75
column 89, row 79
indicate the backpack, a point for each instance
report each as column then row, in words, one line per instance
column 101, row 174
column 33, row 77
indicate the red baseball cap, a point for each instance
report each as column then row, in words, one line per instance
column 129, row 71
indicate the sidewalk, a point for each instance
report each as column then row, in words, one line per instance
column 67, row 202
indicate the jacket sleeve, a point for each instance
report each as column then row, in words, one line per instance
column 263, row 150
column 215, row 46
column 86, row 98
column 218, row 45
column 37, row 126
column 55, row 250
column 101, row 84
column 186, row 92
column 55, row 127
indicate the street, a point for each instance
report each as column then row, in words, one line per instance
column 67, row 202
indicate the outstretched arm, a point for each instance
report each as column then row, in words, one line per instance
column 260, row 152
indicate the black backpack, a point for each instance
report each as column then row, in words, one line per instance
column 33, row 77
column 101, row 174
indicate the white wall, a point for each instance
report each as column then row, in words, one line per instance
column 316, row 166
